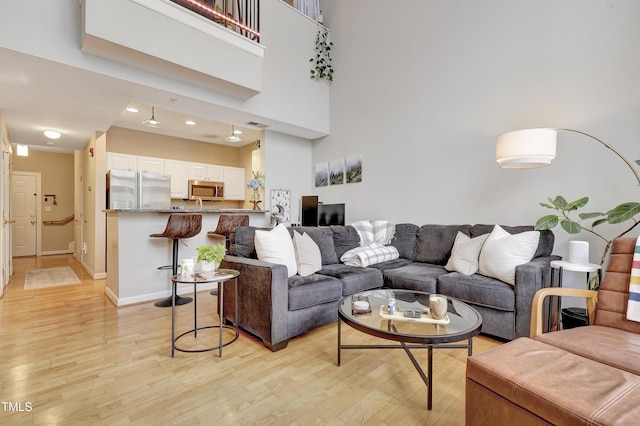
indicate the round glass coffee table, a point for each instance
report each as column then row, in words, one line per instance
column 462, row 322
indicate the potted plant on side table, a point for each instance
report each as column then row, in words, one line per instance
column 210, row 256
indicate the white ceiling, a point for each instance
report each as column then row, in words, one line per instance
column 174, row 124
column 37, row 94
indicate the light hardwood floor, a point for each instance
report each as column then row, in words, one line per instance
column 76, row 359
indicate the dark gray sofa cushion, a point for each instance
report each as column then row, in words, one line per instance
column 405, row 239
column 241, row 241
column 323, row 237
column 354, row 278
column 545, row 244
column 478, row 290
column 345, row 238
column 415, row 276
column 434, row 242
column 313, row 290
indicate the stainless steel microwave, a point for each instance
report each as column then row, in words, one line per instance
column 205, row 190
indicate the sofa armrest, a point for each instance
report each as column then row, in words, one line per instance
column 538, row 304
column 530, row 277
column 263, row 299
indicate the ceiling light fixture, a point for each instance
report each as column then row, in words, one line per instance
column 52, row 134
column 190, row 123
column 233, row 136
column 152, row 122
column 22, row 150
column 132, row 109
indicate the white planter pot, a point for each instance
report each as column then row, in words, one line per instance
column 208, row 266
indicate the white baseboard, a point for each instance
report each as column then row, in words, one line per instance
column 144, row 298
column 53, row 252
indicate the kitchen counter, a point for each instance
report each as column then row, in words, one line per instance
column 186, row 211
column 133, row 257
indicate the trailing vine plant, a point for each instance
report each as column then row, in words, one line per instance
column 323, row 68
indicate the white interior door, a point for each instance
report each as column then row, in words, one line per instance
column 24, row 214
column 5, row 201
column 78, row 237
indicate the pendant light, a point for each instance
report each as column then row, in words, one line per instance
column 152, row 122
column 233, row 137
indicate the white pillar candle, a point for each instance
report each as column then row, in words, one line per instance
column 579, row 252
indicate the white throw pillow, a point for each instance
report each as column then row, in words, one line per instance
column 502, row 252
column 308, row 257
column 275, row 246
column 465, row 254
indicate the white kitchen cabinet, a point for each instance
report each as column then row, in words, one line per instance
column 215, row 173
column 234, row 188
column 116, row 161
column 208, row 172
column 150, row 164
column 179, row 172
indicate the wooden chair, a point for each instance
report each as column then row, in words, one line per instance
column 606, row 307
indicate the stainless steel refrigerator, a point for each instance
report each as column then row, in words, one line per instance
column 131, row 190
column 154, row 191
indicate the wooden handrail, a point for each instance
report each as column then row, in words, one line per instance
column 59, row 222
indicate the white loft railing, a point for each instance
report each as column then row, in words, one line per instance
column 241, row 16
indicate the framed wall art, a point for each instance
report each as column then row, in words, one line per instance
column 336, row 172
column 281, row 203
column 322, row 174
column 354, row 169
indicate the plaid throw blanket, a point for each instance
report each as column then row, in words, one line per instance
column 365, row 256
column 374, row 231
column 633, row 306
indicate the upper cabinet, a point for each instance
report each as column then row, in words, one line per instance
column 179, row 172
column 208, row 172
column 234, row 183
column 117, row 161
column 150, row 165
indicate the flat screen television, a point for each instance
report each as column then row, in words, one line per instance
column 330, row 214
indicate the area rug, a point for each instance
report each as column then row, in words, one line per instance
column 50, row 277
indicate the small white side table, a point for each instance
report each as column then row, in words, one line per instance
column 562, row 265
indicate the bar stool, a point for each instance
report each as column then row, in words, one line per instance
column 179, row 226
column 226, row 224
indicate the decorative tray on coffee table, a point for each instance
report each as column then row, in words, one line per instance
column 425, row 316
column 357, row 311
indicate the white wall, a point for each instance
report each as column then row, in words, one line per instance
column 423, row 95
column 286, row 160
column 288, row 99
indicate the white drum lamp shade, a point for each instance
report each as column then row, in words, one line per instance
column 527, row 148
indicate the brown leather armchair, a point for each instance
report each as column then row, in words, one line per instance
column 584, row 375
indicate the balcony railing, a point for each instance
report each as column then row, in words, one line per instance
column 241, row 16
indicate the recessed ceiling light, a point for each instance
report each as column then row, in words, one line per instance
column 132, row 109
column 52, row 134
column 190, row 122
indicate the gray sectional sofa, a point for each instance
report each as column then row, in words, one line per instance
column 275, row 308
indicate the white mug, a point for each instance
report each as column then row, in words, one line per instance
column 438, row 306
column 187, row 267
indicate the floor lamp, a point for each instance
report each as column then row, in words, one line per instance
column 528, row 148
column 531, row 148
